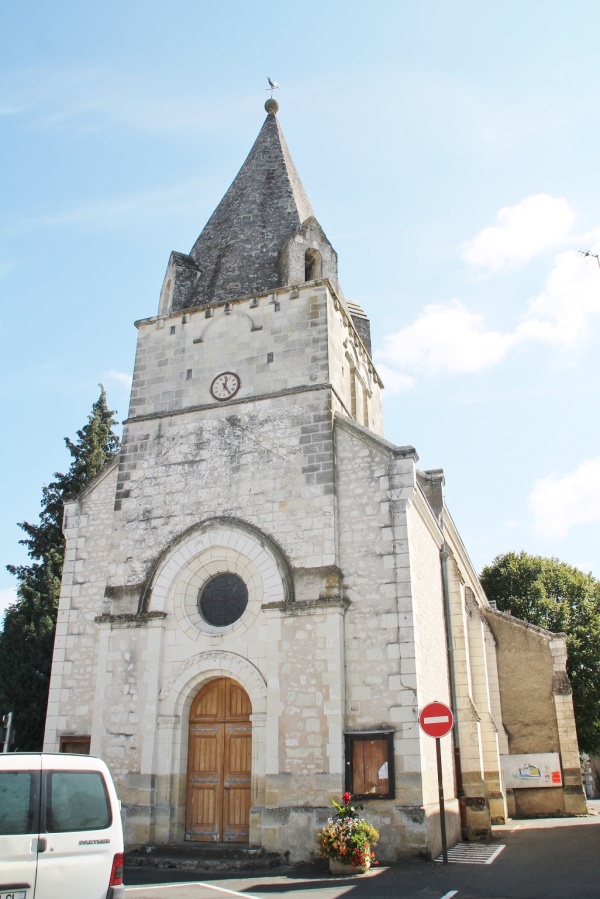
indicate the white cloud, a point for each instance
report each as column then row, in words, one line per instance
column 445, row 338
column 122, row 377
column 536, row 224
column 395, row 381
column 7, row 598
column 558, row 503
column 448, row 338
column 562, row 312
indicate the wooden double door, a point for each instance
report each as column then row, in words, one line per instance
column 219, row 764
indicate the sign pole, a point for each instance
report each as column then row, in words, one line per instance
column 7, row 722
column 437, row 720
column 438, row 755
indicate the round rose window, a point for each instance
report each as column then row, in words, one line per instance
column 223, row 599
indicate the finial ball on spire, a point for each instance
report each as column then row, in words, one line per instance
column 272, row 106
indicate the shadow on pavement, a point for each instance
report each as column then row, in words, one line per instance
column 544, row 859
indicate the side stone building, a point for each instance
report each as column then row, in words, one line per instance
column 261, row 592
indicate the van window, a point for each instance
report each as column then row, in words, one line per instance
column 76, row 800
column 18, row 806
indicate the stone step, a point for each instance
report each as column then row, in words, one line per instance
column 205, row 857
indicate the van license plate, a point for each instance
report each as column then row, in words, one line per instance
column 19, row 894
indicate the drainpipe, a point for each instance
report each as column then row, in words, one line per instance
column 460, row 793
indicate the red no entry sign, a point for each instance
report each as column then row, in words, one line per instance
column 436, row 719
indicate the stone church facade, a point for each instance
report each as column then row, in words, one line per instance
column 261, row 592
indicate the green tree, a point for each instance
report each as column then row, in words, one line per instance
column 27, row 639
column 558, row 597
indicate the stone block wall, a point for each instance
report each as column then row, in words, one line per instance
column 328, row 526
column 356, row 384
column 537, row 711
column 87, row 526
column 270, row 465
column 292, row 338
column 392, row 611
column 431, row 654
column 189, row 468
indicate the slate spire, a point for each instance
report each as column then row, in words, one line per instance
column 237, row 253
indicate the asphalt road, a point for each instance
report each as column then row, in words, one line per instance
column 550, row 859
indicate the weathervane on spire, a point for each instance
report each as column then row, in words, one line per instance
column 273, row 86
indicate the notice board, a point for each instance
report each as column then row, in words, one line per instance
column 535, row 769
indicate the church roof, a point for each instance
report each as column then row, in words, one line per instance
column 237, row 253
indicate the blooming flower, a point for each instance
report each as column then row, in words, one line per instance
column 348, row 837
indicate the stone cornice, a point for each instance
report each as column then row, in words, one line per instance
column 380, row 443
column 306, row 607
column 525, row 625
column 92, row 484
column 428, row 515
column 203, row 407
column 143, row 619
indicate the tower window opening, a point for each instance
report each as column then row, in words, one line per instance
column 188, row 374
column 312, row 265
column 172, row 329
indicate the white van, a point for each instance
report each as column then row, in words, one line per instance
column 61, row 835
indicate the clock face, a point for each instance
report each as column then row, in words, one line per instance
column 225, row 386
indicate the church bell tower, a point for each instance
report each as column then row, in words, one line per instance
column 261, row 592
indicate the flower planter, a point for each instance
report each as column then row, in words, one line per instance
column 347, row 838
column 345, row 868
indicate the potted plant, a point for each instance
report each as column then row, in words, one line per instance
column 347, row 840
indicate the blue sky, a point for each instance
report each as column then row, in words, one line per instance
column 450, row 152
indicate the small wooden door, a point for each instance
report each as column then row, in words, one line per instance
column 219, row 764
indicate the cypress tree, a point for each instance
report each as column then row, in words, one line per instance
column 27, row 639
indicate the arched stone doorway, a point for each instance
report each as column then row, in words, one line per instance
column 219, row 764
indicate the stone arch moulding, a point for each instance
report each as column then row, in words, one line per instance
column 216, row 321
column 179, row 690
column 237, row 535
column 175, row 701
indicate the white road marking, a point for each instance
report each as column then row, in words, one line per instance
column 450, row 894
column 188, row 883
column 492, row 857
column 472, row 854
